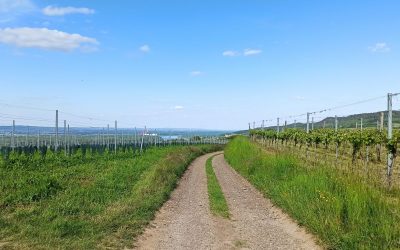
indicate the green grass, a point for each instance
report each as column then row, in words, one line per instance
column 344, row 212
column 218, row 205
column 95, row 204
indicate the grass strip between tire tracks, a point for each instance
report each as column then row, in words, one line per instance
column 218, row 205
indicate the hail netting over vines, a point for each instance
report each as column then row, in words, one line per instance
column 363, row 143
column 64, row 135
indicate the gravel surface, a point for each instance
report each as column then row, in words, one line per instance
column 257, row 222
column 185, row 221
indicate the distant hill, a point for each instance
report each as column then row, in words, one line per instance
column 351, row 121
column 369, row 120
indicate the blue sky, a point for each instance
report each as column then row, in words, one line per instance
column 194, row 64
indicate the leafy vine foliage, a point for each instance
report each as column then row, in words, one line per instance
column 355, row 137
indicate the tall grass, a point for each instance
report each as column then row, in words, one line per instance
column 97, row 204
column 218, row 205
column 341, row 210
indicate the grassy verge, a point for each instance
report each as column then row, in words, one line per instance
column 342, row 211
column 218, row 205
column 97, row 204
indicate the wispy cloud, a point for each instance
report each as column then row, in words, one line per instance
column 61, row 11
column 196, row 73
column 11, row 9
column 44, row 38
column 178, row 107
column 145, row 48
column 379, row 47
column 299, row 98
column 15, row 5
column 246, row 52
column 230, row 53
column 251, row 52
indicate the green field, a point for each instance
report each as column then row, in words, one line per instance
column 338, row 207
column 99, row 202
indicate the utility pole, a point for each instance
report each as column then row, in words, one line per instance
column 390, row 137
column 68, row 139
column 26, row 137
column 337, row 145
column 141, row 144
column 285, row 124
column 308, row 123
column 115, row 138
column 136, row 137
column 277, row 125
column 336, row 123
column 312, row 123
column 361, row 124
column 295, row 125
column 65, row 137
column 13, row 136
column 56, row 143
column 38, row 140
column 380, row 130
column 108, row 136
column 102, row 137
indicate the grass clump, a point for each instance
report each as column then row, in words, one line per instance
column 344, row 212
column 103, row 203
column 218, row 205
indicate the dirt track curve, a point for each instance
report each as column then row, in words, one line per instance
column 185, row 221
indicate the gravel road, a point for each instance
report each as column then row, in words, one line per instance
column 185, row 221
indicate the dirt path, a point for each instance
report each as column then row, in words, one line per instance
column 185, row 221
column 258, row 224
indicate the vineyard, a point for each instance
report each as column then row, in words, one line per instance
column 88, row 186
column 34, row 156
column 341, row 204
column 368, row 146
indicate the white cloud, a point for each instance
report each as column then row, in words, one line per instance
column 15, row 5
column 379, row 47
column 61, row 11
column 44, row 38
column 251, row 52
column 178, row 107
column 145, row 48
column 230, row 53
column 196, row 73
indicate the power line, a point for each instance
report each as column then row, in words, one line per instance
column 85, row 117
column 349, row 105
column 26, row 107
column 332, row 108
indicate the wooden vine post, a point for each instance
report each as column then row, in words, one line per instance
column 390, row 142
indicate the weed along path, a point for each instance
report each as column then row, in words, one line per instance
column 186, row 222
